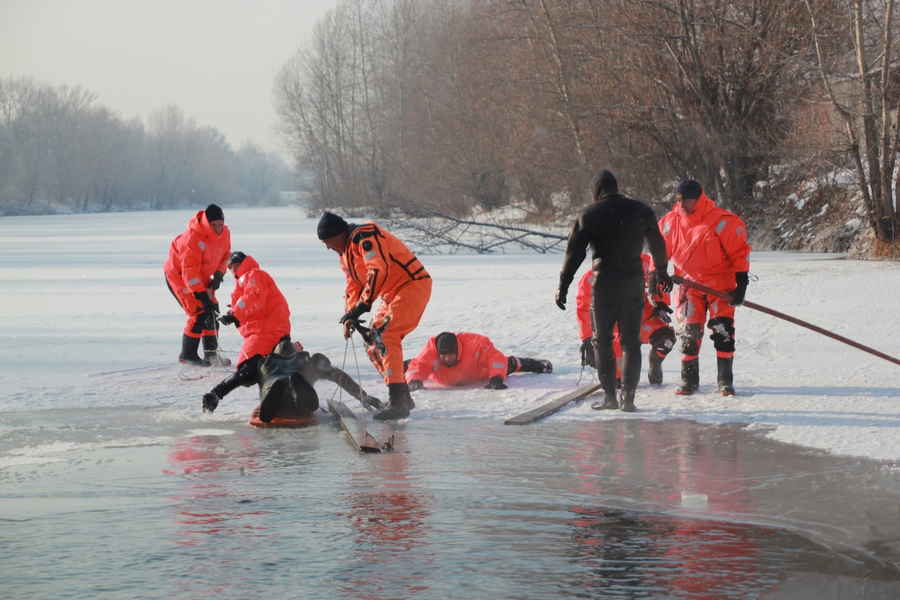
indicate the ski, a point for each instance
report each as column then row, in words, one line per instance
column 362, row 440
column 547, row 409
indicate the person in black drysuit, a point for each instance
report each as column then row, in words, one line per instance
column 615, row 226
column 285, row 378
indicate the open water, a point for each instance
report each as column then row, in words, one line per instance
column 139, row 507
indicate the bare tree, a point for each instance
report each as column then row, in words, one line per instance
column 870, row 108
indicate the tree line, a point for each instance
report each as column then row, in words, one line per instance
column 62, row 151
column 453, row 104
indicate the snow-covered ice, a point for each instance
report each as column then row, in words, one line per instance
column 84, row 296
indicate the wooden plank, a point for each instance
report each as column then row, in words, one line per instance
column 547, row 409
column 361, row 439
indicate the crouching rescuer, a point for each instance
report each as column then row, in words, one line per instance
column 194, row 270
column 284, row 372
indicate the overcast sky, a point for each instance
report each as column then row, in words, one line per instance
column 216, row 59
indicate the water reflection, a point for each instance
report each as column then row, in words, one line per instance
column 669, row 510
column 206, row 505
column 649, row 466
column 388, row 509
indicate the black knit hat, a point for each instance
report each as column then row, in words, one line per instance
column 689, row 189
column 214, row 213
column 331, row 225
column 236, row 258
column 446, row 343
column 604, row 183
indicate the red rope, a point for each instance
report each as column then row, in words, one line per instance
column 781, row 315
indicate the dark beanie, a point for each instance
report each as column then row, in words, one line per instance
column 689, row 189
column 604, row 183
column 214, row 213
column 446, row 343
column 331, row 225
column 236, row 258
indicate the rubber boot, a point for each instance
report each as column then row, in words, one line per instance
column 609, row 402
column 654, row 369
column 189, row 356
column 211, row 352
column 399, row 403
column 534, row 365
column 246, row 376
column 690, row 377
column 726, row 375
column 628, row 401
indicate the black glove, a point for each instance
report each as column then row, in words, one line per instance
column 355, row 313
column 737, row 296
column 561, row 294
column 372, row 402
column 587, row 353
column 229, row 319
column 416, row 384
column 210, row 402
column 660, row 281
column 216, row 280
column 208, row 305
column 496, row 383
column 661, row 311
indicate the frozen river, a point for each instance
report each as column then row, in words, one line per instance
column 114, row 485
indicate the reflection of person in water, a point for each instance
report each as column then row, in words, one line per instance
column 657, row 467
column 197, row 458
column 715, row 556
column 389, row 514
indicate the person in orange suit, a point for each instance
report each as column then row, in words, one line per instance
column 708, row 245
column 283, row 370
column 378, row 265
column 194, row 270
column 450, row 359
column 655, row 327
column 261, row 314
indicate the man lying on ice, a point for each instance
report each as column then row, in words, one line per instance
column 450, row 359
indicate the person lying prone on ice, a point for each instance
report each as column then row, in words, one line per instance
column 450, row 359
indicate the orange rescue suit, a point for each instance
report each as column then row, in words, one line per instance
column 194, row 256
column 478, row 361
column 378, row 265
column 707, row 246
column 649, row 322
column 260, row 308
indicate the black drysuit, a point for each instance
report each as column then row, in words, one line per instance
column 615, row 226
column 286, row 377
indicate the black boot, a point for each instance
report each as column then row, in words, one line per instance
column 609, row 402
column 726, row 375
column 628, row 401
column 534, row 365
column 246, row 376
column 690, row 377
column 189, row 356
column 211, row 352
column 400, row 403
column 654, row 369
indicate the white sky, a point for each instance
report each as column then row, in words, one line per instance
column 216, row 59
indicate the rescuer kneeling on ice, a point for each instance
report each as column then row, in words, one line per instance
column 284, row 372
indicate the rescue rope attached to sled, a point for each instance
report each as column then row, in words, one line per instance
column 770, row 311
